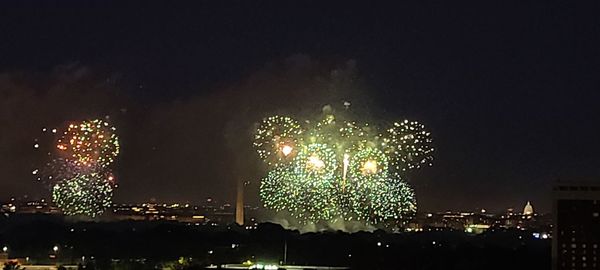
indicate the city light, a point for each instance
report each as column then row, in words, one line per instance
column 259, row 266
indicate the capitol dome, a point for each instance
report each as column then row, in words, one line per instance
column 528, row 210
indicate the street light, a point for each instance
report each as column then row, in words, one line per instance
column 55, row 248
column 5, row 249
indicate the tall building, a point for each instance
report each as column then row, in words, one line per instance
column 528, row 210
column 576, row 234
column 239, row 205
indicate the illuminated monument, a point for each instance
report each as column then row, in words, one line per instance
column 528, row 210
column 239, row 204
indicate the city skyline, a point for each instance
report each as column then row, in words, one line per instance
column 517, row 208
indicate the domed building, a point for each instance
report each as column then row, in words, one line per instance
column 528, row 210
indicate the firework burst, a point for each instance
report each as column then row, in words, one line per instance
column 78, row 171
column 410, row 145
column 276, row 139
column 333, row 169
column 90, row 143
column 87, row 194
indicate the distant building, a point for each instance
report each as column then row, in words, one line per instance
column 576, row 236
column 204, row 214
column 239, row 204
column 528, row 210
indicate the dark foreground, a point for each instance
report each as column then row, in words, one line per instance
column 157, row 245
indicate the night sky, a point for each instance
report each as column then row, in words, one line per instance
column 510, row 92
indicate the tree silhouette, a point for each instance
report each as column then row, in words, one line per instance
column 11, row 265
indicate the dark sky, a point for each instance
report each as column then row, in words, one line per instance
column 510, row 92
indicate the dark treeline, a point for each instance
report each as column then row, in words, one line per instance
column 150, row 245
